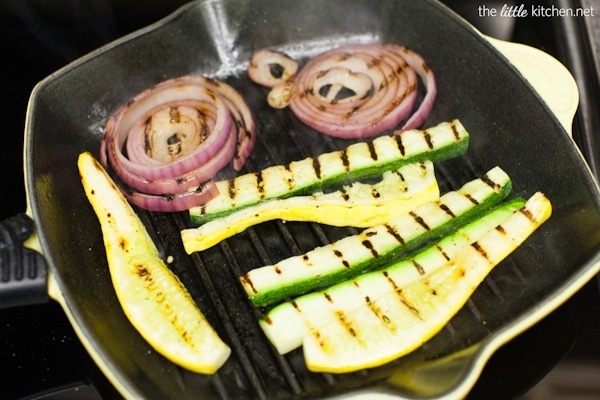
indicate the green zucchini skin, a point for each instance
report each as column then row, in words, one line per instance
column 357, row 161
column 288, row 323
column 376, row 246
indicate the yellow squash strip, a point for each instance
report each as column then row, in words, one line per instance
column 391, row 325
column 153, row 298
column 360, row 205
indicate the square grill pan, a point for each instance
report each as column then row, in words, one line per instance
column 510, row 126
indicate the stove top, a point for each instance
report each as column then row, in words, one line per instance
column 40, row 354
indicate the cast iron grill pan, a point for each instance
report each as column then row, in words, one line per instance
column 510, row 126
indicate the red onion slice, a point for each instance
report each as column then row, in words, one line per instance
column 271, row 68
column 168, row 142
column 427, row 76
column 356, row 90
column 242, row 118
column 173, row 203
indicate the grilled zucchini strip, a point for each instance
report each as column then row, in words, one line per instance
column 375, row 246
column 288, row 323
column 355, row 162
column 360, row 205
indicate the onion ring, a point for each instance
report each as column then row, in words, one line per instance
column 355, row 91
column 167, row 143
column 270, row 68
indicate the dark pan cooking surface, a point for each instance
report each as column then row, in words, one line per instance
column 509, row 124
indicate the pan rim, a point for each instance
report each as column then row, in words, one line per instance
column 488, row 346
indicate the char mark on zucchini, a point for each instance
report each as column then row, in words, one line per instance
column 378, row 245
column 358, row 161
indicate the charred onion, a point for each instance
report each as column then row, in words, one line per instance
column 353, row 91
column 168, row 142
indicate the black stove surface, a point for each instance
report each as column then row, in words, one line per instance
column 40, row 355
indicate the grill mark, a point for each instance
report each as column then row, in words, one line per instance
column 317, row 167
column 345, row 160
column 501, row 230
column 147, row 134
column 527, row 213
column 174, row 115
column 372, row 152
column 352, row 111
column 306, row 259
column 419, row 267
column 494, row 185
column 373, row 63
column 231, row 189
column 317, row 336
column 390, row 280
column 392, row 105
column 471, row 199
column 248, row 282
column 398, row 292
column 455, row 131
column 480, row 249
column 369, row 245
column 405, row 302
column 377, row 311
column 395, row 234
column 427, row 137
column 399, row 144
column 447, row 210
column 328, row 297
column 419, row 220
column 340, row 255
column 277, row 270
column 442, row 252
column 260, row 184
column 345, row 194
column 341, row 317
column 412, row 88
column 290, row 179
column 321, row 73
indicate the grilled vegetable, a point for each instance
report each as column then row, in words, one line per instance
column 359, row 205
column 357, row 161
column 288, row 323
column 390, row 325
column 375, row 246
column 153, row 299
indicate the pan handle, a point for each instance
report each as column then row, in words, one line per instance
column 23, row 271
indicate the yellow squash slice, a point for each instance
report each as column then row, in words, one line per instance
column 360, row 205
column 153, row 298
column 388, row 326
